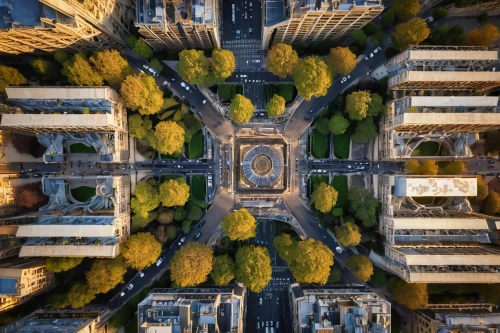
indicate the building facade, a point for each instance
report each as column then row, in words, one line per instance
column 193, row 310
column 314, row 21
column 338, row 310
column 63, row 116
column 179, row 24
column 432, row 235
column 21, row 279
column 457, row 318
column 39, row 26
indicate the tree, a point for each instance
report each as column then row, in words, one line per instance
column 338, row 124
column 365, row 131
column 79, row 295
column 141, row 250
column 168, row 137
column 27, row 144
column 113, row 269
column 194, row 213
column 324, row 197
column 360, row 266
column 406, row 9
column 341, row 60
column 376, row 106
column 193, row 66
column 370, row 28
column 276, row 106
column 30, row 196
column 160, row 233
column 241, row 109
column 439, row 13
column 322, row 126
column 412, row 167
column 48, row 69
column 253, row 267
column 156, row 65
column 223, row 64
column 80, row 72
column 186, row 226
column 282, row 60
column 62, row 264
column 378, row 37
column 363, row 205
column 139, row 127
column 482, row 189
column 309, row 260
column 111, row 66
column 387, row 20
column 358, row 37
column 483, row 17
column 166, row 216
column 223, row 270
column 239, row 225
column 145, row 197
column 410, row 33
column 141, row 93
column 357, row 104
column 444, row 35
column 428, row 168
column 180, row 214
column 312, row 77
column 411, row 295
column 174, row 193
column 191, row 264
column 484, row 36
column 143, row 49
column 454, row 168
column 491, row 205
column 61, row 57
column 10, row 77
column 142, row 219
column 348, row 234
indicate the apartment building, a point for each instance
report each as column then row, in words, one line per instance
column 178, row 24
column 93, row 226
column 193, row 310
column 456, row 318
column 83, row 320
column 21, row 279
column 444, row 68
column 63, row 116
column 39, row 26
column 432, row 235
column 338, row 310
column 314, row 21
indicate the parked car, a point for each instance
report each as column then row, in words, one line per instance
column 429, row 19
column 150, row 70
column 197, row 236
column 491, row 161
column 260, row 301
column 130, row 286
column 181, row 241
column 141, row 273
column 338, row 249
column 311, row 111
column 159, row 261
column 37, row 175
column 185, row 86
column 238, row 34
column 23, row 175
column 204, row 101
column 345, row 78
column 167, row 84
column 122, row 294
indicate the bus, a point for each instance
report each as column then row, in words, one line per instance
column 233, row 12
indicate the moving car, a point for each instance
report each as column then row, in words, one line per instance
column 122, row 294
column 167, row 84
column 197, row 236
column 338, row 249
column 130, row 286
column 260, row 301
column 429, row 19
column 311, row 111
column 204, row 101
column 159, row 261
column 181, row 241
column 345, row 78
column 238, row 34
column 141, row 274
column 185, row 86
column 37, row 175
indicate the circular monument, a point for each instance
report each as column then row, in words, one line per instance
column 262, row 165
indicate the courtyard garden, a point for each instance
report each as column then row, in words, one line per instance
column 320, row 144
column 341, row 145
column 83, row 193
column 194, row 148
column 198, row 188
column 80, row 148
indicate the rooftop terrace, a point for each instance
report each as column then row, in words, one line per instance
column 176, row 11
column 439, row 186
column 27, row 13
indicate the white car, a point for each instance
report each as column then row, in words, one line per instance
column 150, row 70
column 185, row 86
column 141, row 273
column 167, row 84
column 371, row 55
column 204, row 101
column 429, row 19
column 260, row 301
column 338, row 249
column 122, row 294
column 181, row 241
column 130, row 286
column 366, row 58
column 159, row 261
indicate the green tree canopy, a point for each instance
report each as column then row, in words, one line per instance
column 223, row 270
column 482, row 189
column 387, row 20
column 454, row 168
column 49, row 69
column 358, row 37
column 191, row 264
column 62, row 264
column 143, row 49
column 145, row 197
column 312, row 77
column 10, row 77
column 79, row 295
column 338, row 124
column 239, row 225
column 370, row 28
column 376, row 106
column 156, row 65
column 406, row 9
column 61, row 57
column 111, row 66
column 241, row 109
column 282, row 60
column 324, row 197
column 322, row 126
column 428, row 168
column 223, row 64
column 365, row 130
column 341, row 60
column 174, row 193
column 357, row 104
column 142, row 219
column 112, row 269
column 80, row 72
column 360, row 266
column 309, row 260
column 193, row 66
column 411, row 295
column 141, row 250
column 444, row 35
column 253, row 267
column 439, row 13
column 491, row 205
column 194, row 213
column 410, row 33
column 363, row 205
column 276, row 106
column 168, row 137
column 139, row 127
column 166, row 216
column 348, row 234
column 141, row 93
column 484, row 36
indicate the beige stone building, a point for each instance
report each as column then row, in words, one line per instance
column 39, row 26
column 61, row 116
column 456, row 318
column 314, row 21
column 21, row 279
column 431, row 233
column 178, row 24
